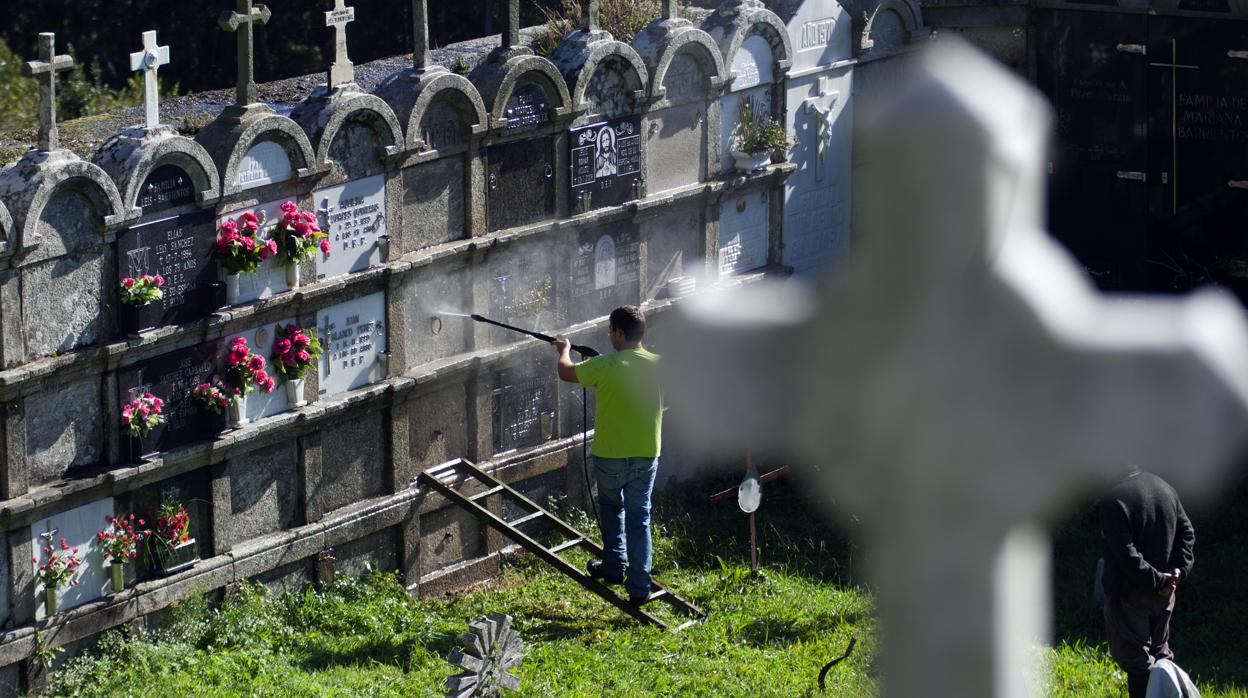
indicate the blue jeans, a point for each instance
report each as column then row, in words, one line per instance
column 624, row 487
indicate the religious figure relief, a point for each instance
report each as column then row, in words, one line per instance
column 606, row 162
column 604, row 263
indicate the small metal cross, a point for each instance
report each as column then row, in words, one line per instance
column 49, row 64
column 149, row 60
column 326, row 348
column 342, row 70
column 242, row 22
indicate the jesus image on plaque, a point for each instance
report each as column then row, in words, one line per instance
column 606, row 163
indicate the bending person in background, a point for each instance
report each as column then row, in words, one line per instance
column 628, row 421
column 1148, row 549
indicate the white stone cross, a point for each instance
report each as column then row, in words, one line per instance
column 242, row 22
column 48, row 65
column 149, row 60
column 822, row 121
column 511, row 24
column 670, row 10
column 959, row 383
column 342, row 71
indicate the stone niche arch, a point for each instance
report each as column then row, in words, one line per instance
column 133, row 155
column 334, row 118
column 229, row 143
column 663, row 47
column 30, row 186
column 498, row 83
column 418, row 102
column 735, row 21
column 892, row 25
column 596, row 65
column 6, row 225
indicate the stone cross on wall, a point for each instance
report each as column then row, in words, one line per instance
column 149, row 60
column 511, row 24
column 959, row 382
column 48, row 65
column 820, row 108
column 242, row 22
column 420, row 34
column 670, row 10
column 342, row 71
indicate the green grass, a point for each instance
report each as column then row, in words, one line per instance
column 763, row 637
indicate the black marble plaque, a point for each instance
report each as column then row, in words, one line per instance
column 605, row 271
column 171, row 377
column 527, row 108
column 166, row 187
column 606, row 163
column 1097, row 93
column 523, row 402
column 520, row 183
column 180, row 250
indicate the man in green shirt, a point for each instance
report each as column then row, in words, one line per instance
column 628, row 422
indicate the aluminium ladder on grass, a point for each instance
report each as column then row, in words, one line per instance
column 442, row 478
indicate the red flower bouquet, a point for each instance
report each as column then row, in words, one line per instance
column 245, row 370
column 239, row 247
column 297, row 235
column 295, row 351
column 141, row 415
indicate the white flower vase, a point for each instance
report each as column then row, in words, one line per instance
column 231, row 288
column 292, row 275
column 238, row 412
column 751, row 162
column 294, row 393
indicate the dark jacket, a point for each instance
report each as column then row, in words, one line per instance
column 1147, row 534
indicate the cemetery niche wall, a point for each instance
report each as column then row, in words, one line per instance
column 542, row 192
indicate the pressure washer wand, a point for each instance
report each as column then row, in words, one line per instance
column 581, row 349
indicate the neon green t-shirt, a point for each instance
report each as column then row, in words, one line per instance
column 628, row 418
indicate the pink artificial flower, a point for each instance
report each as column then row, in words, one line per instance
column 147, row 278
column 303, row 355
column 160, row 280
column 149, row 396
column 249, row 243
column 256, row 362
column 269, row 385
column 229, row 228
column 249, row 217
column 262, row 376
column 203, row 387
column 264, row 252
column 302, row 229
column 289, row 207
column 301, row 340
column 239, row 341
column 127, row 282
column 282, row 346
column 64, row 545
column 307, row 216
column 325, row 245
column 251, row 227
column 144, row 411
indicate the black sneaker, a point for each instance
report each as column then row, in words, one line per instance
column 637, row 600
column 595, row 570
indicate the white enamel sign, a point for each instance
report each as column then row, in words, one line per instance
column 265, row 163
column 353, row 337
column 354, row 217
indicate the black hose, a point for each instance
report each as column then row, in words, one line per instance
column 589, row 490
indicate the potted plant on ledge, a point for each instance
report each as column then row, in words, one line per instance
column 297, row 236
column 217, row 399
column 244, row 370
column 295, row 352
column 170, row 546
column 240, row 250
column 756, row 138
column 138, row 418
column 57, row 570
column 120, row 544
column 135, row 294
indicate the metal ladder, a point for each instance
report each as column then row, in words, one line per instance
column 443, row 478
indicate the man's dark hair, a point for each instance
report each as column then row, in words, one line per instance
column 629, row 320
